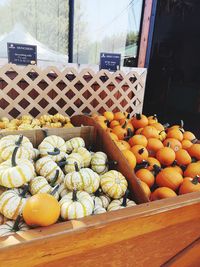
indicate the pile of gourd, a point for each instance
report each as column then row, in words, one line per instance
column 27, row 122
column 60, row 180
column 165, row 158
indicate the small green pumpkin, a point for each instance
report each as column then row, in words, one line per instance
column 121, row 203
column 71, row 159
column 74, row 143
column 85, row 154
column 11, row 227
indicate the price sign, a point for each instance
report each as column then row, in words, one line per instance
column 110, row 61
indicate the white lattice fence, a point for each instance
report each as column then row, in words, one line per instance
column 36, row 91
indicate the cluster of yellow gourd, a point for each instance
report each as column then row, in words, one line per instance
column 27, row 122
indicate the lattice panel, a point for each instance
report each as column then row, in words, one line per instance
column 36, row 91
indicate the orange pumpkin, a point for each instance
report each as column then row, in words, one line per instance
column 138, row 139
column 179, row 127
column 189, row 136
column 119, row 115
column 146, row 176
column 189, row 186
column 193, row 169
column 139, row 131
column 120, row 131
column 140, row 153
column 151, row 162
column 166, row 156
column 153, row 146
column 158, row 126
column 139, row 121
column 150, row 132
column 176, row 134
column 113, row 136
column 122, row 144
column 130, row 158
column 41, row 209
column 152, row 119
column 183, row 157
column 161, row 193
column 145, row 188
column 100, row 118
column 186, row 144
column 102, row 124
column 169, row 177
column 173, row 143
column 194, row 151
column 162, row 135
column 114, row 123
column 108, row 115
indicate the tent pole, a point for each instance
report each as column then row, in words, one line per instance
column 71, row 31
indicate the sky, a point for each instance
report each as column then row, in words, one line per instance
column 106, row 17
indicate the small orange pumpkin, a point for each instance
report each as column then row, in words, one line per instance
column 140, row 153
column 189, row 136
column 161, row 193
column 119, row 115
column 173, row 143
column 193, row 169
column 176, row 134
column 186, row 144
column 183, row 157
column 145, row 188
column 139, row 131
column 139, row 121
column 153, row 146
column 113, row 136
column 194, row 151
column 108, row 115
column 152, row 119
column 169, row 177
column 166, row 156
column 138, row 139
column 150, row 132
column 120, row 131
column 146, row 176
column 114, row 123
column 152, row 161
column 130, row 158
column 189, row 186
column 158, row 126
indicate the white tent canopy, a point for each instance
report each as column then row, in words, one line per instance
column 19, row 35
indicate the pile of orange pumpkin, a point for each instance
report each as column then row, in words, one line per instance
column 165, row 158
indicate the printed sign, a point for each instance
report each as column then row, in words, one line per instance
column 22, row 54
column 110, row 61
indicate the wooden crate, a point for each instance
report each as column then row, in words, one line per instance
column 40, row 91
column 149, row 234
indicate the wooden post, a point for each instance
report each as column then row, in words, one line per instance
column 145, row 32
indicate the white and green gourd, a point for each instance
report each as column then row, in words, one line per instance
column 113, row 184
column 71, row 159
column 101, row 199
column 62, row 190
column 85, row 154
column 74, row 143
column 12, row 202
column 121, row 203
column 99, row 210
column 39, row 184
column 47, row 168
column 76, row 204
column 82, row 179
column 99, row 162
column 54, row 147
column 12, row 227
column 16, row 172
column 8, row 144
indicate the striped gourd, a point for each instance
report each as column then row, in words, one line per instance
column 71, row 159
column 15, row 173
column 8, row 144
column 9, row 228
column 101, row 199
column 76, row 205
column 85, row 154
column 46, row 167
column 54, row 147
column 114, row 184
column 74, row 143
column 120, row 204
column 12, row 202
column 84, row 179
column 39, row 184
column 99, row 210
column 62, row 190
column 99, row 162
